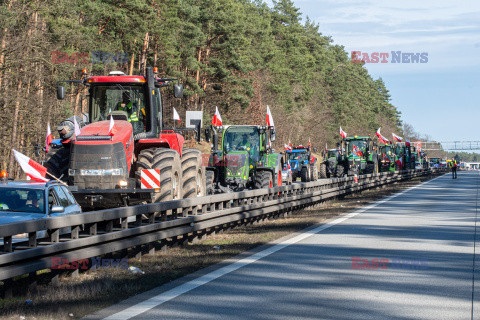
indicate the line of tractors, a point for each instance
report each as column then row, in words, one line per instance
column 104, row 169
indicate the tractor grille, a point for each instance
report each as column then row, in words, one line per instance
column 235, row 163
column 97, row 166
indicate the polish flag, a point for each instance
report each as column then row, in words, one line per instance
column 381, row 138
column 288, row 148
column 407, row 142
column 176, row 116
column 290, row 144
column 269, row 119
column 77, row 127
column 326, row 148
column 112, row 129
column 399, row 162
column 309, row 143
column 217, row 119
column 33, row 169
column 343, row 133
column 49, row 138
column 397, row 138
column 357, row 151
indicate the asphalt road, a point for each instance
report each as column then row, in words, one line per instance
column 423, row 240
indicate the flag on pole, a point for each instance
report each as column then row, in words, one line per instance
column 77, row 127
column 357, row 151
column 326, row 148
column 399, row 162
column 217, row 119
column 397, row 138
column 407, row 142
column 288, row 148
column 33, row 169
column 290, row 144
column 381, row 138
column 343, row 133
column 269, row 118
column 176, row 116
column 49, row 138
column 112, row 129
column 309, row 143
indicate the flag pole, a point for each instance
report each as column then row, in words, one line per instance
column 58, row 180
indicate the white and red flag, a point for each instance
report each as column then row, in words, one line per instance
column 399, row 162
column 288, row 148
column 76, row 126
column 343, row 133
column 217, row 119
column 326, row 148
column 112, row 129
column 309, row 143
column 381, row 138
column 397, row 138
column 33, row 169
column 49, row 138
column 269, row 118
column 176, row 116
column 290, row 144
column 357, row 151
column 407, row 142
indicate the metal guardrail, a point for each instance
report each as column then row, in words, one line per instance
column 95, row 233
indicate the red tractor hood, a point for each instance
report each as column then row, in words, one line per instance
column 97, row 130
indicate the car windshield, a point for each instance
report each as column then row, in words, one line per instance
column 241, row 138
column 116, row 98
column 22, row 200
column 360, row 144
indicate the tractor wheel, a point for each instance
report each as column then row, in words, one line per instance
column 210, row 178
column 193, row 174
column 323, row 171
column 369, row 168
column 168, row 161
column 304, row 174
column 263, row 179
column 57, row 165
column 314, row 171
column 340, row 171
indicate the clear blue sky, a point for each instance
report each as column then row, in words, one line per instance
column 439, row 98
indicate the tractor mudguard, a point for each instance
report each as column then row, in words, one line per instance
column 170, row 140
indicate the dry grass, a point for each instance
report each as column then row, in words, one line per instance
column 94, row 290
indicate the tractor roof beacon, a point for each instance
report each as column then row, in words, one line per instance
column 142, row 160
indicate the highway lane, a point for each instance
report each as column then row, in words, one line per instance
column 423, row 239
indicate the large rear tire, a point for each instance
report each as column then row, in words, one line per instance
column 168, row 162
column 193, row 174
column 314, row 171
column 304, row 174
column 323, row 171
column 210, row 178
column 58, row 164
column 263, row 179
column 370, row 168
column 340, row 171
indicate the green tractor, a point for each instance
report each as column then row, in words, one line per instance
column 403, row 157
column 333, row 164
column 361, row 155
column 244, row 159
column 386, row 155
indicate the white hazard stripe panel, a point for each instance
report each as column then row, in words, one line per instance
column 150, row 179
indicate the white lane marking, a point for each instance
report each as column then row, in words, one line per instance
column 153, row 302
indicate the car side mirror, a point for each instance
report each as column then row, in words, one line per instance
column 178, row 91
column 57, row 209
column 60, row 92
column 272, row 135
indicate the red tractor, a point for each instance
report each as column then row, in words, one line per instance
column 107, row 169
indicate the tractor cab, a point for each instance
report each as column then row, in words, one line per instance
column 361, row 153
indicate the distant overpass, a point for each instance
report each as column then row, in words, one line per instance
column 451, row 145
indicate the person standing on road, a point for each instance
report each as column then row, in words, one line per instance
column 454, row 169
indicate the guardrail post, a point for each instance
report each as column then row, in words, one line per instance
column 32, row 239
column 55, row 235
column 7, row 244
